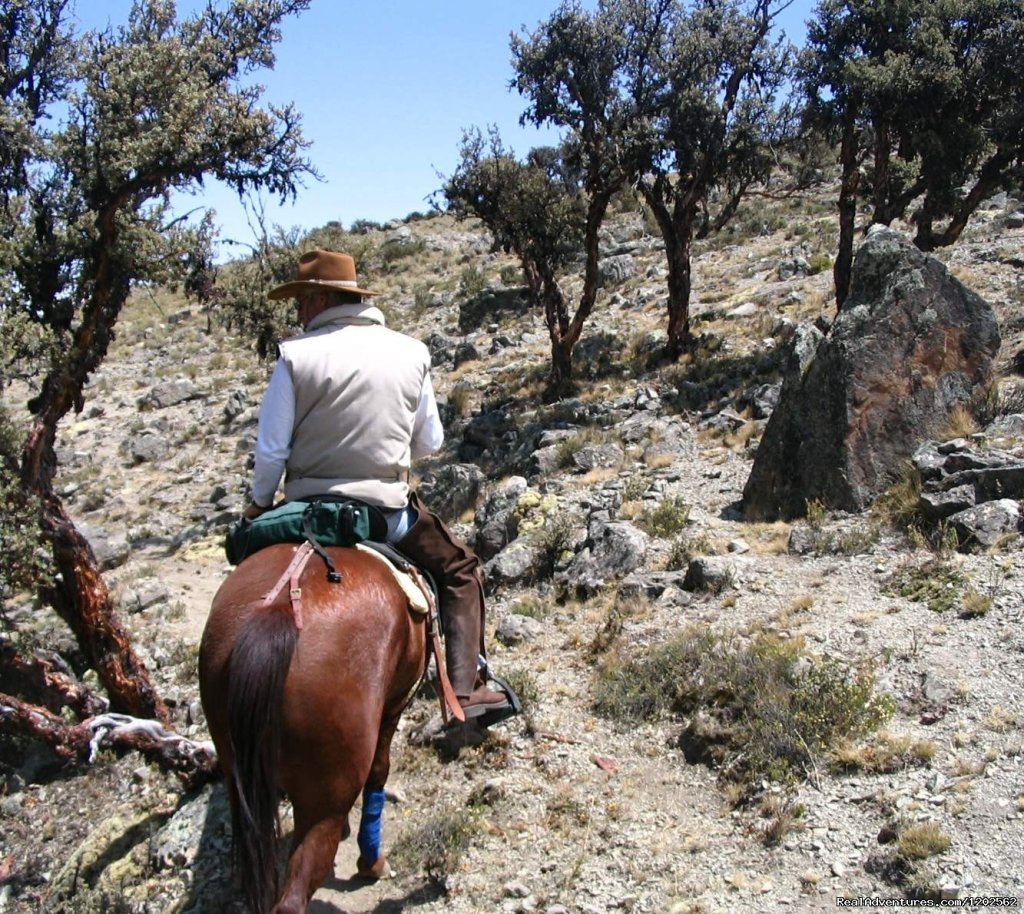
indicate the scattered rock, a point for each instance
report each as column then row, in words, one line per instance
column 111, row 549
column 711, row 573
column 170, row 393
column 613, row 270
column 517, row 563
column 453, row 490
column 515, row 629
column 618, row 549
column 148, row 446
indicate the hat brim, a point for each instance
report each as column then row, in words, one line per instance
column 293, row 288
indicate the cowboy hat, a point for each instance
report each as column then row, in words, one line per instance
column 322, row 270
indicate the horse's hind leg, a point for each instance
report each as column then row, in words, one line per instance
column 312, row 858
column 372, row 864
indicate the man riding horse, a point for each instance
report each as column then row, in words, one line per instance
column 349, row 406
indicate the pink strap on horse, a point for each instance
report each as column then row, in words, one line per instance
column 291, row 577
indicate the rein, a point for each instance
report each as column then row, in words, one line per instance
column 447, row 697
column 449, row 703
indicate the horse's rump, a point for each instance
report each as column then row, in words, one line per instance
column 301, row 710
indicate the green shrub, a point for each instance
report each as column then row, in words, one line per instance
column 362, row 226
column 553, row 539
column 511, row 274
column 532, row 606
column 524, row 684
column 568, row 446
column 937, row 584
column 685, row 548
column 816, row 514
column 667, row 518
column 422, row 299
column 472, row 280
column 24, row 561
column 635, row 487
column 819, row 263
column 398, row 250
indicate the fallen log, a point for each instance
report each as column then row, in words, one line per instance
column 193, row 762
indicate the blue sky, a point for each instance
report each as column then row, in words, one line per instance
column 385, row 90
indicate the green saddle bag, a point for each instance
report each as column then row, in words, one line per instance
column 328, row 521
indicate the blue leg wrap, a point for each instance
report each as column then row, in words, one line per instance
column 369, row 824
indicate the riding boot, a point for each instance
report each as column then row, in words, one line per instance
column 454, row 567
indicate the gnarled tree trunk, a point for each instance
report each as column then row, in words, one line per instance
column 78, row 591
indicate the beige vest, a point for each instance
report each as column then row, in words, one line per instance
column 357, row 388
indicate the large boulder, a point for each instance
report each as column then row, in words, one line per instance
column 497, row 523
column 492, row 306
column 910, row 344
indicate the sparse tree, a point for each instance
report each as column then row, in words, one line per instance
column 682, row 100
column 534, row 210
column 238, row 289
column 926, row 103
column 137, row 112
column 571, row 70
column 719, row 75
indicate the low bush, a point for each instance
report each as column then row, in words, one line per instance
column 667, row 518
column 756, row 708
column 937, row 584
column 437, row 844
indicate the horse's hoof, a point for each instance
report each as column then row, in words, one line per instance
column 375, row 870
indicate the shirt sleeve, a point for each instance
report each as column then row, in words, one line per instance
column 274, row 435
column 427, row 431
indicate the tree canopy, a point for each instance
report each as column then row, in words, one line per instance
column 680, row 101
column 926, row 103
column 719, row 78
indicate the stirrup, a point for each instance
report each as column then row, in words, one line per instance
column 499, row 713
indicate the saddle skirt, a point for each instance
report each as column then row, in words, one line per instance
column 414, row 586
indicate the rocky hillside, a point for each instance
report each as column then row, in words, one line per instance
column 618, row 568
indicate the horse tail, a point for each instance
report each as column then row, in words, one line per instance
column 257, row 669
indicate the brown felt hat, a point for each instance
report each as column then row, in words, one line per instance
column 322, row 270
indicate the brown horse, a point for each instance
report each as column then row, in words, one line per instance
column 310, row 712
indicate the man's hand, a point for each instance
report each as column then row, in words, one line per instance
column 253, row 510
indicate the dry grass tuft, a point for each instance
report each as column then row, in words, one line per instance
column 758, row 707
column 960, row 423
column 919, row 842
column 886, row 754
column 437, row 844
